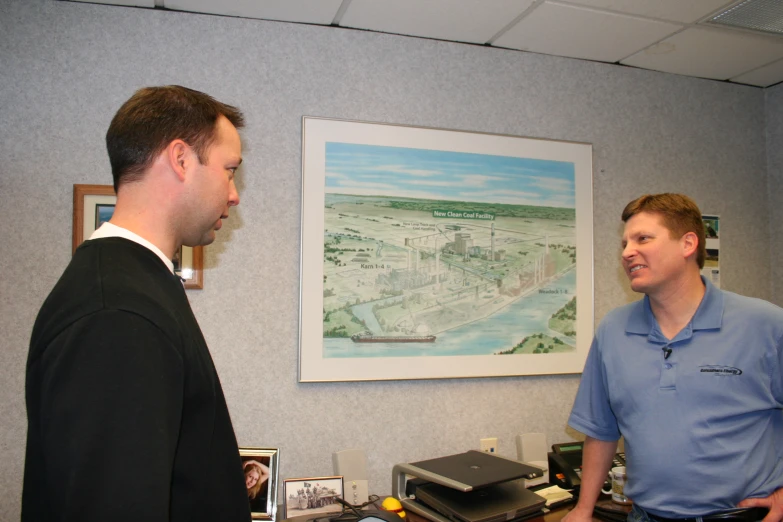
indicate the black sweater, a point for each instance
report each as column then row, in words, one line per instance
column 126, row 416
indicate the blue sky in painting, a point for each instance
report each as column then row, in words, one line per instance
column 372, row 170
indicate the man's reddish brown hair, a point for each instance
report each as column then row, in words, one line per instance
column 679, row 214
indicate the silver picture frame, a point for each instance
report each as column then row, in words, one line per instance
column 260, row 466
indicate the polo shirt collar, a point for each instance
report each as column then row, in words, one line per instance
column 709, row 314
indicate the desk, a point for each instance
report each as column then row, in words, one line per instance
column 553, row 516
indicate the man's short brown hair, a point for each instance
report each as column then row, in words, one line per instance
column 679, row 214
column 154, row 117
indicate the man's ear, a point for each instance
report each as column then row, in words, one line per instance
column 179, row 155
column 690, row 244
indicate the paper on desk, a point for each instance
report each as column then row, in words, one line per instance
column 554, row 494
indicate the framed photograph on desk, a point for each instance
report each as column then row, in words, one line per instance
column 433, row 253
column 260, row 466
column 308, row 496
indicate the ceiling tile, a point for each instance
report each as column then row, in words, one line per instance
column 709, row 53
column 583, row 33
column 675, row 10
column 305, row 11
column 131, row 3
column 763, row 76
column 474, row 21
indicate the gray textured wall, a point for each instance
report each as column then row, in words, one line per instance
column 66, row 68
column 774, row 106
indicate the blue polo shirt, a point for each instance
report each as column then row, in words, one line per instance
column 703, row 428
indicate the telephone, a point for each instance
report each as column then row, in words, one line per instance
column 565, row 464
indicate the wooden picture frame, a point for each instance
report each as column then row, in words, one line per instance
column 92, row 205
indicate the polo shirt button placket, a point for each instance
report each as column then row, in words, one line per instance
column 668, row 375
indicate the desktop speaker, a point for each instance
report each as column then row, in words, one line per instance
column 352, row 465
column 532, row 449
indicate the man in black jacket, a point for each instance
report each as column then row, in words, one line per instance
column 126, row 416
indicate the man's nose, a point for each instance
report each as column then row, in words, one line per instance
column 233, row 195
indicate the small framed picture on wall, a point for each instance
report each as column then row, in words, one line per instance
column 93, row 205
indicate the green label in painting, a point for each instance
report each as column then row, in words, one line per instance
column 463, row 214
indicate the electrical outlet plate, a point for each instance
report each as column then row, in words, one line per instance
column 489, row 445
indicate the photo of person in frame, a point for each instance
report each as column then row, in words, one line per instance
column 257, row 481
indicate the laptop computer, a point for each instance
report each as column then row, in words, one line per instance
column 473, row 470
column 497, row 503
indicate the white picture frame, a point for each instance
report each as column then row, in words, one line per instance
column 394, row 212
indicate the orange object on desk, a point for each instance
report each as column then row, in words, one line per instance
column 393, row 505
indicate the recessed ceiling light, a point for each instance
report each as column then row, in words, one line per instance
column 758, row 15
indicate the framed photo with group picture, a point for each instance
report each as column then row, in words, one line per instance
column 308, row 496
column 260, row 467
column 93, row 205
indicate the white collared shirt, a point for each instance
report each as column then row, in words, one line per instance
column 112, row 230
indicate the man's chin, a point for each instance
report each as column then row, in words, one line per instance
column 205, row 240
column 208, row 239
column 638, row 286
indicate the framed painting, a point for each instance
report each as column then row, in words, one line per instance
column 431, row 253
column 711, row 268
column 309, row 496
column 260, row 466
column 93, row 205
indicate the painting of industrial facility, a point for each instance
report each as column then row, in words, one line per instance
column 434, row 253
column 447, row 245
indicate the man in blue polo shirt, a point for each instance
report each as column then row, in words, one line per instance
column 691, row 377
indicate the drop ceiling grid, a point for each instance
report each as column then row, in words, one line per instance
column 578, row 32
column 659, row 35
column 689, row 11
column 763, row 76
column 462, row 20
column 709, row 53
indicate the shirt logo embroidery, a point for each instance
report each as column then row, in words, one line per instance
column 720, row 370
